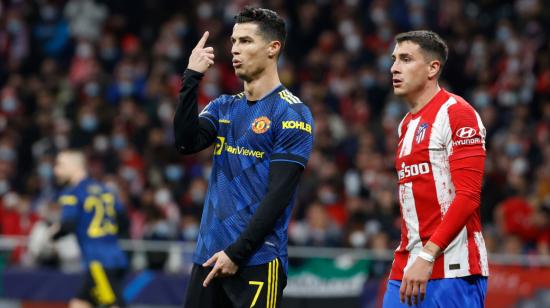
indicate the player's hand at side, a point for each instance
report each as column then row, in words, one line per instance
column 415, row 280
column 202, row 58
column 223, row 266
column 53, row 230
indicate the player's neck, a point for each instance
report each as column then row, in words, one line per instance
column 418, row 100
column 257, row 88
column 78, row 177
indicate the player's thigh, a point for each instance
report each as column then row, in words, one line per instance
column 257, row 286
column 198, row 296
column 460, row 292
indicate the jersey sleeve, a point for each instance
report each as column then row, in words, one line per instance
column 210, row 112
column 69, row 206
column 467, row 133
column 293, row 135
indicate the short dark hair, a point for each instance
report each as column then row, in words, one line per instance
column 429, row 42
column 271, row 25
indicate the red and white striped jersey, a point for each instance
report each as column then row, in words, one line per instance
column 447, row 129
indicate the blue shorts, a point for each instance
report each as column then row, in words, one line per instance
column 449, row 293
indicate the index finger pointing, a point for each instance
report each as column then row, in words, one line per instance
column 203, row 39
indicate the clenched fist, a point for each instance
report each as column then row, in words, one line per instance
column 201, row 57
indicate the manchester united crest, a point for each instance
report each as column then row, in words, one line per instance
column 261, row 125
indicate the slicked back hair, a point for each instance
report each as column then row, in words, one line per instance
column 270, row 24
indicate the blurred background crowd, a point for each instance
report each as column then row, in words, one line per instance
column 104, row 76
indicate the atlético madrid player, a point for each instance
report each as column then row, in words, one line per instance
column 441, row 260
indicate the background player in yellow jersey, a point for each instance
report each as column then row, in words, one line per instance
column 94, row 214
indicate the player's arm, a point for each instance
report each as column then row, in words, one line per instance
column 283, row 179
column 193, row 133
column 68, row 222
column 466, row 160
column 467, row 175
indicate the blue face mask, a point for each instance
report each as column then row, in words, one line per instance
column 4, row 187
column 7, row 154
column 118, row 142
column 190, row 233
column 125, row 88
column 14, row 26
column 88, row 123
column 513, row 149
column 45, row 171
column 9, row 104
column 92, row 89
column 173, row 173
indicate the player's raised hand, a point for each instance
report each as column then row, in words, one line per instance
column 223, row 266
column 201, row 57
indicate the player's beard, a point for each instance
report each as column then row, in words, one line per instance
column 62, row 182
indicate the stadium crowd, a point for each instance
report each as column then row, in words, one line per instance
column 103, row 76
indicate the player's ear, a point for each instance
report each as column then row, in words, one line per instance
column 273, row 49
column 434, row 68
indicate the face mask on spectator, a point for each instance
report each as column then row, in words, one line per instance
column 118, row 141
column 125, row 88
column 173, row 173
column 84, row 51
column 61, row 141
column 7, row 154
column 197, row 195
column 481, row 99
column 88, row 123
column 101, row 144
column 513, row 149
column 327, row 196
column 91, row 89
column 367, row 80
column 48, row 12
column 162, row 197
column 357, row 239
column 108, row 54
column 4, row 186
column 503, row 33
column 190, row 232
column 417, row 19
column 384, row 63
column 129, row 174
column 14, row 26
column 165, row 111
column 9, row 104
column 173, row 52
column 211, row 89
column 45, row 170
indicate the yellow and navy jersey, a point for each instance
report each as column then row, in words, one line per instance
column 250, row 135
column 93, row 208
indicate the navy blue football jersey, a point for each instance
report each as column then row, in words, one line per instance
column 250, row 135
column 94, row 209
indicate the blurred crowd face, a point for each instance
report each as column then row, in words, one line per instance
column 251, row 52
column 410, row 70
